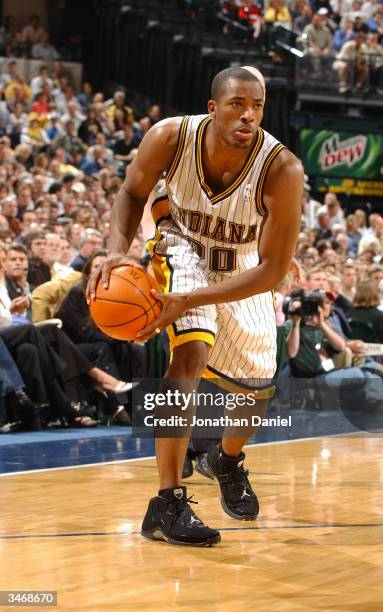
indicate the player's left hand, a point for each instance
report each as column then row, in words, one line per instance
column 174, row 304
column 297, row 271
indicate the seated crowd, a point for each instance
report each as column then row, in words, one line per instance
column 28, row 41
column 63, row 157
column 332, row 326
column 336, row 37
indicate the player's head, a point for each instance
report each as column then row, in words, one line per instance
column 236, row 104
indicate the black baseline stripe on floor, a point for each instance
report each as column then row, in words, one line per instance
column 125, row 533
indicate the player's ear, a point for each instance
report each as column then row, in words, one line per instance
column 211, row 105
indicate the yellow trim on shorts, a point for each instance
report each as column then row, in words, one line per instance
column 163, row 276
column 233, row 387
column 191, row 336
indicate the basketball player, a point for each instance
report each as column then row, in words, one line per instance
column 227, row 226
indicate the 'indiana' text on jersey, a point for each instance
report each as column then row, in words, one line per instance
column 223, row 231
column 222, row 228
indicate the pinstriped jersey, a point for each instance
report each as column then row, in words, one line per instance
column 223, row 228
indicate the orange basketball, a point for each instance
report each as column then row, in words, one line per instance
column 127, row 306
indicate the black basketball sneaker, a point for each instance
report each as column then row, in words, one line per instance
column 170, row 518
column 237, row 497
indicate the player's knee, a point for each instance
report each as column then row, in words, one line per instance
column 189, row 360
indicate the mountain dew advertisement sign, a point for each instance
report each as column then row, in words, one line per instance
column 342, row 154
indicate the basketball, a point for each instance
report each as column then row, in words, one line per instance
column 126, row 306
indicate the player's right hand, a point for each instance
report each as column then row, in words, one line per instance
column 112, row 261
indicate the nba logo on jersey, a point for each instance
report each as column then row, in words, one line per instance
column 247, row 194
column 189, row 317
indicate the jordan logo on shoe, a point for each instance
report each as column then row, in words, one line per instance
column 244, row 494
column 178, row 493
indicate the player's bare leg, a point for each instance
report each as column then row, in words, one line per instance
column 188, row 364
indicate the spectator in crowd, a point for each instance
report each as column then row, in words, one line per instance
column 34, row 135
column 349, row 281
column 375, row 23
column 351, row 63
column 90, row 127
column 369, row 9
column 318, row 36
column 100, row 142
column 89, row 243
column 86, row 96
column 43, row 50
column 18, row 411
column 375, row 62
column 124, row 147
column 40, row 80
column 361, row 221
column 32, row 32
column 10, row 30
column 305, row 335
column 74, row 233
column 39, row 271
column 154, row 113
column 40, row 106
column 41, row 369
column 16, row 270
column 310, row 208
column 9, row 211
column 376, row 275
column 303, row 15
column 72, row 114
column 277, row 12
column 343, row 34
column 119, row 102
column 17, row 122
column 70, row 142
column 334, row 209
column 18, row 91
column 74, row 314
column 353, row 234
column 9, row 306
column 323, row 229
column 316, row 279
column 366, row 307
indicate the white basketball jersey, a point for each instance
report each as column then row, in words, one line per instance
column 222, row 228
column 203, row 238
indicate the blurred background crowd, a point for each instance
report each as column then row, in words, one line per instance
column 335, row 39
column 64, row 151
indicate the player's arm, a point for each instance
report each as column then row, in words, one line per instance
column 154, row 156
column 277, row 242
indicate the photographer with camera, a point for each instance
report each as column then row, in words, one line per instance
column 309, row 335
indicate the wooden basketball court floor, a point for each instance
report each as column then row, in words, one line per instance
column 317, row 544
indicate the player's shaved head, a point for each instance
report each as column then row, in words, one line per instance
column 221, row 80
